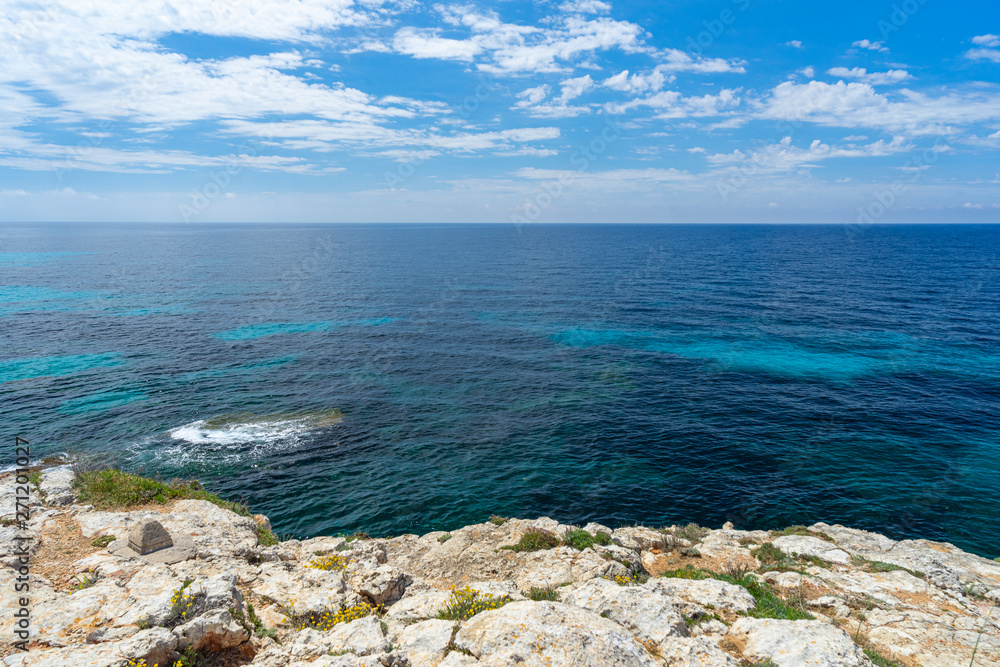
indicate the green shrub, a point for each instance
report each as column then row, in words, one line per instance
column 578, row 539
column 444, row 538
column 602, row 538
column 498, row 520
column 535, row 539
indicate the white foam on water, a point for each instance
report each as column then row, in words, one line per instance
column 240, row 434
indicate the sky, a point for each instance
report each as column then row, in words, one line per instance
column 855, row 112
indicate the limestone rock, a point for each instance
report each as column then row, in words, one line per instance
column 212, row 631
column 424, row 643
column 534, row 634
column 57, row 485
column 705, row 592
column 15, row 543
column 361, row 637
column 694, row 652
column 301, row 589
column 798, row 643
column 804, row 545
column 551, row 567
column 648, row 613
column 155, row 646
column 382, row 585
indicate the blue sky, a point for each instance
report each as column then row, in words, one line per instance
column 570, row 110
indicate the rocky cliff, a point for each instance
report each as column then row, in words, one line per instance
column 504, row 592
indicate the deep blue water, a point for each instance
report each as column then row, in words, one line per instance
column 767, row 375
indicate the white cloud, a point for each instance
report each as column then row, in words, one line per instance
column 858, row 105
column 45, row 157
column 328, row 136
column 426, row 44
column 585, row 7
column 983, row 54
column 508, row 48
column 637, row 83
column 573, row 88
column 696, row 149
column 532, row 96
column 871, row 46
column 671, row 104
column 808, row 72
column 874, row 78
column 784, row 156
column 972, row 206
column 615, row 179
column 679, row 61
column 986, row 40
column 531, row 99
column 795, row 44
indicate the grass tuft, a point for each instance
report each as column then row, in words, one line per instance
column 265, row 537
column 692, row 532
column 769, row 605
column 103, row 541
column 802, row 531
column 878, row 566
column 602, row 538
column 543, row 594
column 111, row 489
column 770, row 555
column 687, row 572
column 535, row 539
column 878, row 659
column 444, row 538
column 498, row 520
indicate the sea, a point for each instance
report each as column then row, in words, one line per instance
column 403, row 378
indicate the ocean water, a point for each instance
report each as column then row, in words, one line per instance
column 406, row 378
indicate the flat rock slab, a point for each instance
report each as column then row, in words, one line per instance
column 803, row 545
column 549, row 634
column 798, row 643
column 649, row 614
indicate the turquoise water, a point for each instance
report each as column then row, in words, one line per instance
column 655, row 374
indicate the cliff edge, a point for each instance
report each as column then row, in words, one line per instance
column 171, row 575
